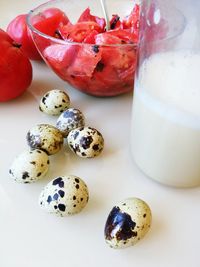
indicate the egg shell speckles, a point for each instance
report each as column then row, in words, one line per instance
column 86, row 142
column 127, row 223
column 70, row 119
column 65, row 195
column 29, row 166
column 45, row 137
column 54, row 102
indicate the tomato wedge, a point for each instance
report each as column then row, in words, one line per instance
column 90, row 39
column 50, row 20
column 86, row 16
column 79, row 31
column 132, row 21
column 86, row 60
column 60, row 57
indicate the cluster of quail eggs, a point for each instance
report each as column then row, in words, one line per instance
column 84, row 141
column 67, row 194
column 127, row 222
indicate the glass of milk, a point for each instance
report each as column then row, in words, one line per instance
column 165, row 128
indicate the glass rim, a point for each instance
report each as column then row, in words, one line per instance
column 171, row 36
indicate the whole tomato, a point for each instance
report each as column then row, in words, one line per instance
column 15, row 69
column 18, row 31
column 47, row 22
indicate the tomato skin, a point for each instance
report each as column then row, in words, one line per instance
column 15, row 69
column 86, row 16
column 18, row 31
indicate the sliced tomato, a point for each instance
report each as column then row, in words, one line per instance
column 120, row 58
column 132, row 20
column 90, row 39
column 86, row 16
column 126, row 36
column 96, row 66
column 116, row 37
column 107, row 39
column 50, row 20
column 59, row 57
column 86, row 60
column 79, row 31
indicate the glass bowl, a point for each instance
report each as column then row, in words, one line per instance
column 99, row 70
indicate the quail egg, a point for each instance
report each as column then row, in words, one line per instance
column 54, row 102
column 86, row 142
column 45, row 137
column 127, row 223
column 70, row 119
column 65, row 195
column 29, row 166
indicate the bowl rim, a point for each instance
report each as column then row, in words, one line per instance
column 60, row 41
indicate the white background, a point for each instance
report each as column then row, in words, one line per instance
column 31, row 238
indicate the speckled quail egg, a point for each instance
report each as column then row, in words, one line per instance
column 54, row 102
column 65, row 195
column 127, row 223
column 70, row 119
column 86, row 142
column 29, row 166
column 45, row 137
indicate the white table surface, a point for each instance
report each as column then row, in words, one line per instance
column 30, row 237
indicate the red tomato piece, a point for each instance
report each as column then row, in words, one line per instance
column 79, row 31
column 86, row 60
column 107, row 38
column 59, row 57
column 86, row 16
column 126, row 36
column 120, row 58
column 50, row 20
column 132, row 20
column 90, row 39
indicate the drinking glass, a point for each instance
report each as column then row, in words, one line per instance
column 165, row 127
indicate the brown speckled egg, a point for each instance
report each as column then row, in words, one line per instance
column 70, row 119
column 29, row 166
column 127, row 223
column 54, row 102
column 64, row 195
column 86, row 142
column 45, row 137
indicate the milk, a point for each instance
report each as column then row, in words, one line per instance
column 165, row 138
